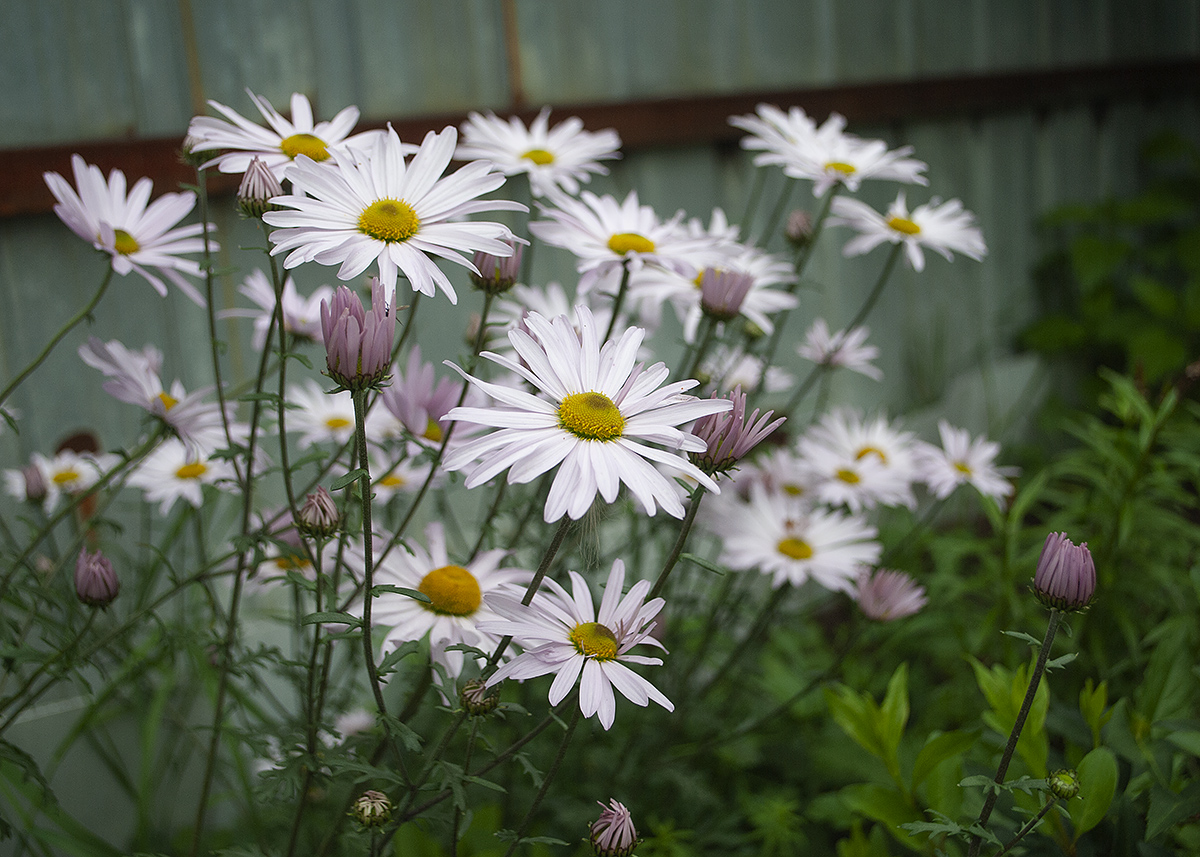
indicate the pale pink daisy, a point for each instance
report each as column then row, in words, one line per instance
column 941, row 226
column 886, row 595
column 963, row 459
column 417, row 402
column 301, row 315
column 844, row 349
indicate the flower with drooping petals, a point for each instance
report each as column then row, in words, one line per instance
column 886, row 595
column 941, row 226
column 301, row 315
column 613, row 833
column 565, row 635
column 417, row 402
column 730, row 436
column 596, row 425
column 138, row 237
column 846, row 349
column 358, row 342
column 375, row 207
column 1066, row 574
column 557, row 158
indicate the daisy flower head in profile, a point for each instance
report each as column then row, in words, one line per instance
column 140, row 238
column 459, row 597
column 277, row 144
column 793, row 541
column 171, row 472
column 301, row 315
column 609, row 236
column 555, row 159
column 320, row 417
column 962, row 459
column 373, row 206
column 596, row 421
column 845, row 349
column 564, row 634
column 941, row 226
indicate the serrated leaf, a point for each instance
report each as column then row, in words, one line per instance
column 332, row 618
column 414, row 594
column 1062, row 661
column 346, row 478
column 301, row 358
column 1097, row 786
column 1021, row 635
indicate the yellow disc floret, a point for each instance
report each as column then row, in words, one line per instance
column 62, row 477
column 433, row 431
column 304, row 144
column 452, row 591
column 841, row 167
column 591, row 416
column 872, row 450
column 848, row 476
column 594, row 640
column 389, row 220
column 168, row 401
column 963, row 467
column 124, row 243
column 903, row 224
column 391, row 481
column 795, row 548
column 194, row 470
column 623, row 242
column 336, row 423
column 539, row 156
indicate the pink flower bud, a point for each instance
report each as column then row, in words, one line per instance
column 358, row 342
column 613, row 833
column 318, row 517
column 1066, row 575
column 96, row 583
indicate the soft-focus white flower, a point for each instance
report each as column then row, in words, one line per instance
column 790, row 540
column 860, row 463
column 456, row 606
column 725, row 368
column 941, row 226
column 171, row 472
column 301, row 315
column 963, row 459
column 846, row 349
column 138, row 237
column 390, row 477
column 375, row 207
column 418, row 403
column 887, row 595
column 278, row 144
column 66, row 473
column 601, row 414
column 554, row 158
column 320, row 417
column 563, row 634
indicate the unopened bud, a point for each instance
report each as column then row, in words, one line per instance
column 613, row 833
column 372, row 808
column 1066, row 575
column 258, row 187
column 96, row 583
column 497, row 274
column 1064, row 784
column 35, row 484
column 722, row 292
column 799, row 228
column 188, row 154
column 477, row 698
column 318, row 517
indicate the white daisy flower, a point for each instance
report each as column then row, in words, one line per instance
column 962, row 459
column 940, row 226
column 278, row 144
column 320, row 417
column 138, row 237
column 607, row 235
column 846, row 349
column 171, row 472
column 390, row 477
column 790, row 540
column 860, row 463
column 66, row 473
column 457, row 605
column 554, row 158
column 563, row 634
column 728, row 367
column 301, row 315
column 378, row 208
column 599, row 417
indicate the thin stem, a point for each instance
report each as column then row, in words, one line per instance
column 760, row 625
column 884, row 275
column 546, row 781
column 360, row 420
column 785, row 195
column 1029, row 825
column 618, row 301
column 66, row 328
column 710, row 327
column 1011, row 746
column 466, row 767
column 684, row 529
column 42, row 668
column 756, row 189
column 487, row 521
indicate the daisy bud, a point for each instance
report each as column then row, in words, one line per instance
column 729, row 436
column 1066, row 575
column 258, row 187
column 372, row 809
column 497, row 274
column 1064, row 784
column 887, row 595
column 722, row 292
column 477, row 699
column 358, row 343
column 96, row 583
column 799, row 228
column 613, row 833
column 318, row 517
column 188, row 154
column 35, row 484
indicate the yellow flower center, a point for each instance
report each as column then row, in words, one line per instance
column 452, row 591
column 903, row 224
column 168, row 401
column 794, row 490
column 62, row 477
column 288, row 562
column 591, row 416
column 336, row 423
column 623, row 242
column 594, row 640
column 872, row 450
column 391, row 481
column 304, row 144
column 433, row 431
column 963, row 467
column 841, row 167
column 848, row 476
column 124, row 243
column 192, row 471
column 389, row 220
column 539, row 156
column 795, row 548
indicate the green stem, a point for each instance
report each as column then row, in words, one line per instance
column 42, row 668
column 618, row 301
column 785, row 195
column 756, row 189
column 546, row 781
column 884, row 275
column 360, row 420
column 759, row 626
column 66, row 328
column 1029, row 825
column 684, row 529
column 1011, row 746
column 487, row 521
column 710, row 327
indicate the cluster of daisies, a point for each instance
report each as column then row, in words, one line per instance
column 568, row 387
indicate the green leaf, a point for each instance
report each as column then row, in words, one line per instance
column 703, row 563
column 273, row 398
column 414, row 594
column 1097, row 786
column 346, row 478
column 1167, row 809
column 1021, row 635
column 1093, row 259
column 1093, row 699
column 939, row 749
column 894, row 712
column 396, row 655
column 302, row 358
column 886, row 806
column 333, row 618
